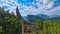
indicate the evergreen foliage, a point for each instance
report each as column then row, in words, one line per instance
column 9, row 23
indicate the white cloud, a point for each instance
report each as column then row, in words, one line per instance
column 4, row 4
column 56, row 9
column 8, row 3
column 42, row 8
column 46, row 1
column 47, row 4
column 50, row 5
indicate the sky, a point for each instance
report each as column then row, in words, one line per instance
column 26, row 7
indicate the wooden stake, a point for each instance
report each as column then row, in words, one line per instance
column 22, row 26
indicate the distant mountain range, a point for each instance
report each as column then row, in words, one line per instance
column 43, row 16
column 32, row 18
column 54, row 16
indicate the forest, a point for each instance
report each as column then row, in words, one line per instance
column 10, row 24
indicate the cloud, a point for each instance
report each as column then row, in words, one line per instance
column 46, row 1
column 43, row 6
column 10, row 4
column 43, row 9
column 4, row 4
column 50, row 5
column 56, row 9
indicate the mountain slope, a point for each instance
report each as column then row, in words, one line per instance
column 54, row 16
column 56, row 19
column 43, row 16
column 32, row 18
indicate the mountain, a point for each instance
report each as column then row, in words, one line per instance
column 43, row 16
column 53, row 16
column 32, row 18
column 56, row 19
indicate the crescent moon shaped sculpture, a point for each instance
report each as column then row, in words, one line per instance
column 20, row 17
column 25, row 28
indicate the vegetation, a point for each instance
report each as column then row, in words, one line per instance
column 9, row 23
column 49, row 26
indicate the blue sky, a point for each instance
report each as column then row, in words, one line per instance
column 48, row 7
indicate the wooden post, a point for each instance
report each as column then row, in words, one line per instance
column 22, row 26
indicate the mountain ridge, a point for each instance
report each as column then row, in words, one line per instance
column 31, row 18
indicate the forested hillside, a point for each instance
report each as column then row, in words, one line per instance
column 48, row 26
column 9, row 23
